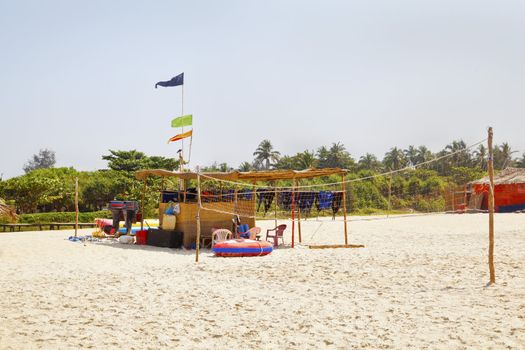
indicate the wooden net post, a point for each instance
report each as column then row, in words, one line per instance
column 76, row 206
column 344, row 207
column 275, row 199
column 491, row 209
column 293, row 213
column 142, row 203
column 182, row 185
column 298, row 219
column 198, row 218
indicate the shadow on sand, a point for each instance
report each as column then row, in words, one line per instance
column 176, row 251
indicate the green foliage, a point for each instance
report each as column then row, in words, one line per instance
column 222, row 167
column 134, row 160
column 369, row 162
column 503, row 156
column 245, row 166
column 366, row 195
column 300, row 161
column 430, row 205
column 101, row 187
column 462, row 175
column 334, row 157
column 63, row 217
column 50, row 189
column 394, row 159
column 421, row 189
column 433, row 185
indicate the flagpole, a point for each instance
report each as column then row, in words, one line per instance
column 182, row 127
column 191, row 140
column 181, row 159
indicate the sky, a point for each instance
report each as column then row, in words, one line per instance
column 78, row 77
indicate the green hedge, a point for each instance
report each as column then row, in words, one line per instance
column 62, row 217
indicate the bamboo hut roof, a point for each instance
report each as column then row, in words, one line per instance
column 505, row 177
column 7, row 211
column 245, row 176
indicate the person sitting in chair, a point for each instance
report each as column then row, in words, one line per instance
column 241, row 230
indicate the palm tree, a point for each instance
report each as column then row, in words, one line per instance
column 506, row 153
column 285, row 162
column 394, row 159
column 480, row 156
column 411, row 155
column 338, row 157
column 369, row 162
column 305, row 160
column 460, row 155
column 322, row 156
column 264, row 154
column 423, row 154
column 245, row 166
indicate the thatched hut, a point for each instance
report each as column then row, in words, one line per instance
column 7, row 211
column 509, row 191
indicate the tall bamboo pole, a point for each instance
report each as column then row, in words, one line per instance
column 299, row 219
column 181, row 181
column 293, row 213
column 181, row 114
column 143, row 195
column 76, row 206
column 197, row 243
column 275, row 199
column 160, row 193
column 491, row 209
column 344, row 207
column 254, row 195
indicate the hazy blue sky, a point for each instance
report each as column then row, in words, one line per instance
column 78, row 76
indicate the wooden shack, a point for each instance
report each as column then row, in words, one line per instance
column 509, row 191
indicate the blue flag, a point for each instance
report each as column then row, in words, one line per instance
column 178, row 80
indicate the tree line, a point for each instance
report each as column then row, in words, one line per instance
column 46, row 189
column 336, row 156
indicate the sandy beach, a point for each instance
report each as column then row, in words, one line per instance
column 418, row 283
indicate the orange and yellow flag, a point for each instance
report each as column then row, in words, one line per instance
column 181, row 136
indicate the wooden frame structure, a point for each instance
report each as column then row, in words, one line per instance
column 204, row 216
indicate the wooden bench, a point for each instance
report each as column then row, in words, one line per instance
column 13, row 227
column 52, row 226
column 59, row 225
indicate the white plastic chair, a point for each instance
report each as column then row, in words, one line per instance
column 220, row 235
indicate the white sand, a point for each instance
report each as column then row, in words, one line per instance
column 420, row 282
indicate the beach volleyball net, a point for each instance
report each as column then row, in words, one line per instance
column 437, row 185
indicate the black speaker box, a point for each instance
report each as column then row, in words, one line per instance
column 163, row 238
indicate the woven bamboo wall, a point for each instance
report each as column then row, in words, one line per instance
column 187, row 222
